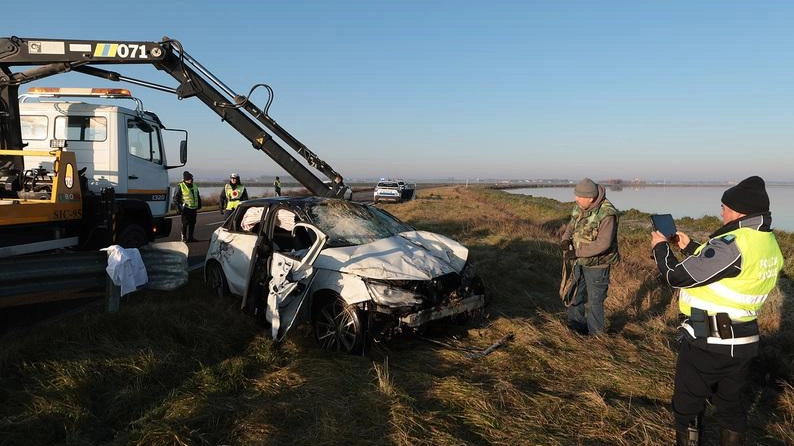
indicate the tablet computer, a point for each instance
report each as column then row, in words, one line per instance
column 664, row 223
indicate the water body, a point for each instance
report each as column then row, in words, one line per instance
column 681, row 201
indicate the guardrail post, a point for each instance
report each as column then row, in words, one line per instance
column 113, row 295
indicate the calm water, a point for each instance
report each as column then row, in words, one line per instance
column 684, row 201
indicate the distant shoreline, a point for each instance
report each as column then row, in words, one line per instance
column 607, row 185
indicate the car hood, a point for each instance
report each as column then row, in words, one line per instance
column 413, row 255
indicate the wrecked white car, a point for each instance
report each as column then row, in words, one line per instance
column 353, row 270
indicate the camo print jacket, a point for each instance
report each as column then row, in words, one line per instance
column 594, row 232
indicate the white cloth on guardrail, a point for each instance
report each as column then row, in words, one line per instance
column 126, row 268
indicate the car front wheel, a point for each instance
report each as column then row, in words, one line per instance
column 338, row 326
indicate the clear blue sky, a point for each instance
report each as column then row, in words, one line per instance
column 437, row 89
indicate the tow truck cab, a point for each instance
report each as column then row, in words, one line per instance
column 119, row 147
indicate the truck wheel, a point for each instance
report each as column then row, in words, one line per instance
column 337, row 326
column 132, row 236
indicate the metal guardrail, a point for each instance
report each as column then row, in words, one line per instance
column 41, row 278
column 166, row 265
column 49, row 274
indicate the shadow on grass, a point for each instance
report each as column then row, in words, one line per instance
column 652, row 289
column 771, row 376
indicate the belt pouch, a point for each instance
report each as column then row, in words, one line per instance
column 724, row 325
column 700, row 323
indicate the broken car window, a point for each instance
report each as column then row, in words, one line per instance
column 348, row 224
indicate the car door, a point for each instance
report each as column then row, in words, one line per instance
column 291, row 274
column 237, row 242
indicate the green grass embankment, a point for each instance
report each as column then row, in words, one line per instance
column 185, row 368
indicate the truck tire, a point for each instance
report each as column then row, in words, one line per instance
column 132, row 236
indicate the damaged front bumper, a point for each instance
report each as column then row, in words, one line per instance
column 422, row 317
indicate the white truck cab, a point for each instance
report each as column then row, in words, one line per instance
column 120, row 148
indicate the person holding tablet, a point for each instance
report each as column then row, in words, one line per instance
column 723, row 285
column 590, row 242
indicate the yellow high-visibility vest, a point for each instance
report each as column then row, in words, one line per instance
column 233, row 196
column 189, row 195
column 742, row 296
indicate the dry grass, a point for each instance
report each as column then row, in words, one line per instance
column 186, row 369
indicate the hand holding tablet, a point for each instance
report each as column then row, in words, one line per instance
column 664, row 223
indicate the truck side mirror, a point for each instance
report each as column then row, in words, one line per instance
column 182, row 146
column 183, row 151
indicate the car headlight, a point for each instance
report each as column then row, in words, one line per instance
column 390, row 296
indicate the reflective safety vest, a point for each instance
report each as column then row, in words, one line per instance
column 189, row 195
column 233, row 196
column 742, row 296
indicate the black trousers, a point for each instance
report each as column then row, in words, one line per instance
column 702, row 375
column 188, row 223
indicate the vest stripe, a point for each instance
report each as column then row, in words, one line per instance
column 735, row 314
column 735, row 296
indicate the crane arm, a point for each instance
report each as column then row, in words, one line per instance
column 52, row 56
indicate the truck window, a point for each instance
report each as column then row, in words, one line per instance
column 81, row 128
column 34, row 128
column 144, row 142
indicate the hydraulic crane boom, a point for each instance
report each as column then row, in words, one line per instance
column 52, row 56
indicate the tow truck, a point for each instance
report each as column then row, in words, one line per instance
column 42, row 209
column 110, row 148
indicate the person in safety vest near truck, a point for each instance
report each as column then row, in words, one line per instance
column 233, row 193
column 188, row 202
column 723, row 285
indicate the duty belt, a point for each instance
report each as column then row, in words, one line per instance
column 714, row 337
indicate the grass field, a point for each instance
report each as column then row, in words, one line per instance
column 184, row 368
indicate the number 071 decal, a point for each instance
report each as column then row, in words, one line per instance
column 123, row 50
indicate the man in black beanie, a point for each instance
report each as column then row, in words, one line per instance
column 748, row 197
column 723, row 285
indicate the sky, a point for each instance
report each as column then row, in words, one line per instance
column 673, row 90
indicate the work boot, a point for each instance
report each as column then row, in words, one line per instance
column 731, row 438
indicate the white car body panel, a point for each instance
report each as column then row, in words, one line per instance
column 350, row 286
column 233, row 250
column 414, row 255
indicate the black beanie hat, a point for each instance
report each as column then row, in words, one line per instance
column 187, row 175
column 747, row 197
